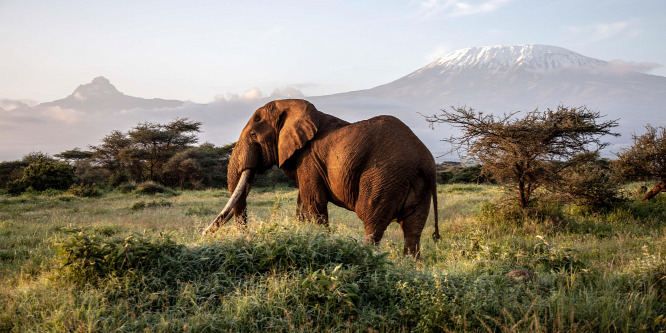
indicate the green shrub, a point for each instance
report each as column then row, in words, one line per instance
column 16, row 187
column 470, row 174
column 142, row 204
column 85, row 190
column 87, row 258
column 152, row 188
column 444, row 177
column 47, row 174
column 139, row 205
column 592, row 185
column 509, row 214
column 50, row 192
column 200, row 210
column 549, row 257
column 160, row 203
column 117, row 179
column 126, row 188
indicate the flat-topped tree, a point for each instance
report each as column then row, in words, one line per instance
column 646, row 159
column 526, row 153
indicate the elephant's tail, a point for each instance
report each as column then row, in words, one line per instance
column 435, row 235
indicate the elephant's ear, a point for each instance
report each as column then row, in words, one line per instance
column 298, row 123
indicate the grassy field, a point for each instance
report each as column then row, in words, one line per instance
column 130, row 262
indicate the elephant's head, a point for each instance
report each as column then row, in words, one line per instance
column 274, row 133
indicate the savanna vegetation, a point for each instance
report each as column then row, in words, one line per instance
column 109, row 239
column 133, row 261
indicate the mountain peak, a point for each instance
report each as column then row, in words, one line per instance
column 500, row 57
column 99, row 87
column 100, row 80
column 100, row 95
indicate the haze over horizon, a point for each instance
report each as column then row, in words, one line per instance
column 493, row 79
column 206, row 50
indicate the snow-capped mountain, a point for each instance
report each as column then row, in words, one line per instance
column 519, row 76
column 534, row 57
column 102, row 96
column 502, row 79
column 494, row 79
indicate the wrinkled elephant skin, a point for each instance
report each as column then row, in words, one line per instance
column 377, row 168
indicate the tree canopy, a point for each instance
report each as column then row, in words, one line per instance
column 525, row 153
column 142, row 153
column 646, row 158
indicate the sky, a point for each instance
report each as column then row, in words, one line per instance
column 200, row 51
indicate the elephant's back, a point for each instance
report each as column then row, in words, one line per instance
column 389, row 134
column 382, row 141
column 380, row 153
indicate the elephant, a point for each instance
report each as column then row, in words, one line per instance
column 377, row 168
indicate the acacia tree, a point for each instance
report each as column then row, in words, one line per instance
column 75, row 154
column 524, row 154
column 156, row 143
column 108, row 153
column 646, row 159
column 144, row 150
column 197, row 167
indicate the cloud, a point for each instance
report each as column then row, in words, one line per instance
column 11, row 104
column 255, row 94
column 252, row 94
column 225, row 97
column 439, row 52
column 288, row 92
column 621, row 67
column 606, row 30
column 67, row 116
column 457, row 8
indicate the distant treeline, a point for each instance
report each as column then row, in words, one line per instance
column 514, row 152
column 166, row 154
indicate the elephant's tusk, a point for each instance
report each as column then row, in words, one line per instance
column 225, row 214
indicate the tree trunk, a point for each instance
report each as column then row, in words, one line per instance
column 523, row 196
column 661, row 187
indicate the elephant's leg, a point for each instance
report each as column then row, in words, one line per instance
column 313, row 206
column 376, row 206
column 412, row 226
column 301, row 214
column 374, row 233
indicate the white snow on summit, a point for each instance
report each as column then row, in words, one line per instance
column 535, row 57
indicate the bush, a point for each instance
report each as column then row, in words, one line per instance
column 592, row 185
column 16, row 187
column 509, row 214
column 87, row 257
column 443, row 177
column 470, row 174
column 11, row 171
column 272, row 177
column 117, row 179
column 51, row 192
column 85, row 190
column 44, row 174
column 139, row 205
column 126, row 188
column 152, row 188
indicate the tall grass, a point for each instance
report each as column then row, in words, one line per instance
column 101, row 264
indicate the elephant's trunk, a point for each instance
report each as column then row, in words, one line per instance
column 240, row 192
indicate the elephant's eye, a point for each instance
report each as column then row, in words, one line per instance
column 253, row 136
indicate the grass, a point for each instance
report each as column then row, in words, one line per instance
column 131, row 262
